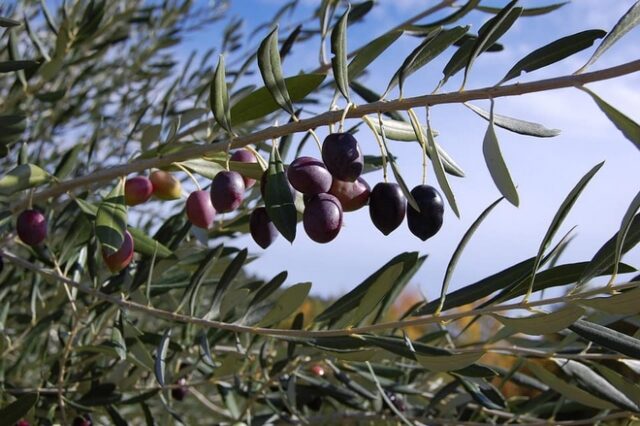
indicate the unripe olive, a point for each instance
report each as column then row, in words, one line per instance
column 322, row 218
column 200, row 211
column 137, row 190
column 165, row 185
column 309, row 176
column 352, row 195
column 263, row 231
column 122, row 257
column 427, row 222
column 387, row 206
column 245, row 156
column 32, row 227
column 227, row 191
column 341, row 154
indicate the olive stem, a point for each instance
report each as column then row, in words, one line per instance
column 195, row 181
column 107, row 174
column 383, row 153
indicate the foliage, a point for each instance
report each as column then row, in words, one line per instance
column 93, row 91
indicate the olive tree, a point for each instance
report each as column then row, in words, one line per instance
column 120, row 308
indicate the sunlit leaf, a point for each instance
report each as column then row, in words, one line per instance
column 271, row 71
column 286, row 304
column 496, row 165
column 24, row 176
column 628, row 21
column 515, row 125
column 161, row 357
column 543, row 323
column 368, row 53
column 219, row 98
column 629, row 128
column 554, row 52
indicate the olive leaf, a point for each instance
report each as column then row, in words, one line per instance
column 496, row 165
column 271, row 71
column 339, row 59
column 111, row 219
column 219, row 98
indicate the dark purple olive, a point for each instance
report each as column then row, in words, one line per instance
column 262, row 229
column 322, row 218
column 428, row 221
column 341, row 154
column 352, row 195
column 227, row 191
column 245, row 156
column 309, row 176
column 387, row 206
column 32, row 227
column 396, row 400
column 263, row 184
column 315, row 403
column 180, row 392
column 83, row 420
column 200, row 211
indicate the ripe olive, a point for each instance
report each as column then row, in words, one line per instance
column 322, row 218
column 263, row 231
column 352, row 195
column 137, row 190
column 200, row 211
column 427, row 222
column 122, row 257
column 309, row 176
column 227, row 191
column 342, row 156
column 387, row 206
column 245, row 156
column 32, row 227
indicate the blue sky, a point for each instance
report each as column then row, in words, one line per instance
column 545, row 170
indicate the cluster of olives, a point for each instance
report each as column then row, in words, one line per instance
column 333, row 186
column 330, row 187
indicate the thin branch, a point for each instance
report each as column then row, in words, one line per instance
column 416, row 321
column 329, row 117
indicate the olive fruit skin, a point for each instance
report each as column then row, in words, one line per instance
column 180, row 392
column 263, row 231
column 427, row 222
column 352, row 195
column 165, row 185
column 200, row 211
column 245, row 156
column 342, row 156
column 309, row 176
column 387, row 206
column 82, row 421
column 119, row 260
column 137, row 190
column 22, row 422
column 32, row 227
column 317, row 370
column 322, row 218
column 227, row 191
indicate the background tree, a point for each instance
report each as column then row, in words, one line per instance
column 94, row 93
